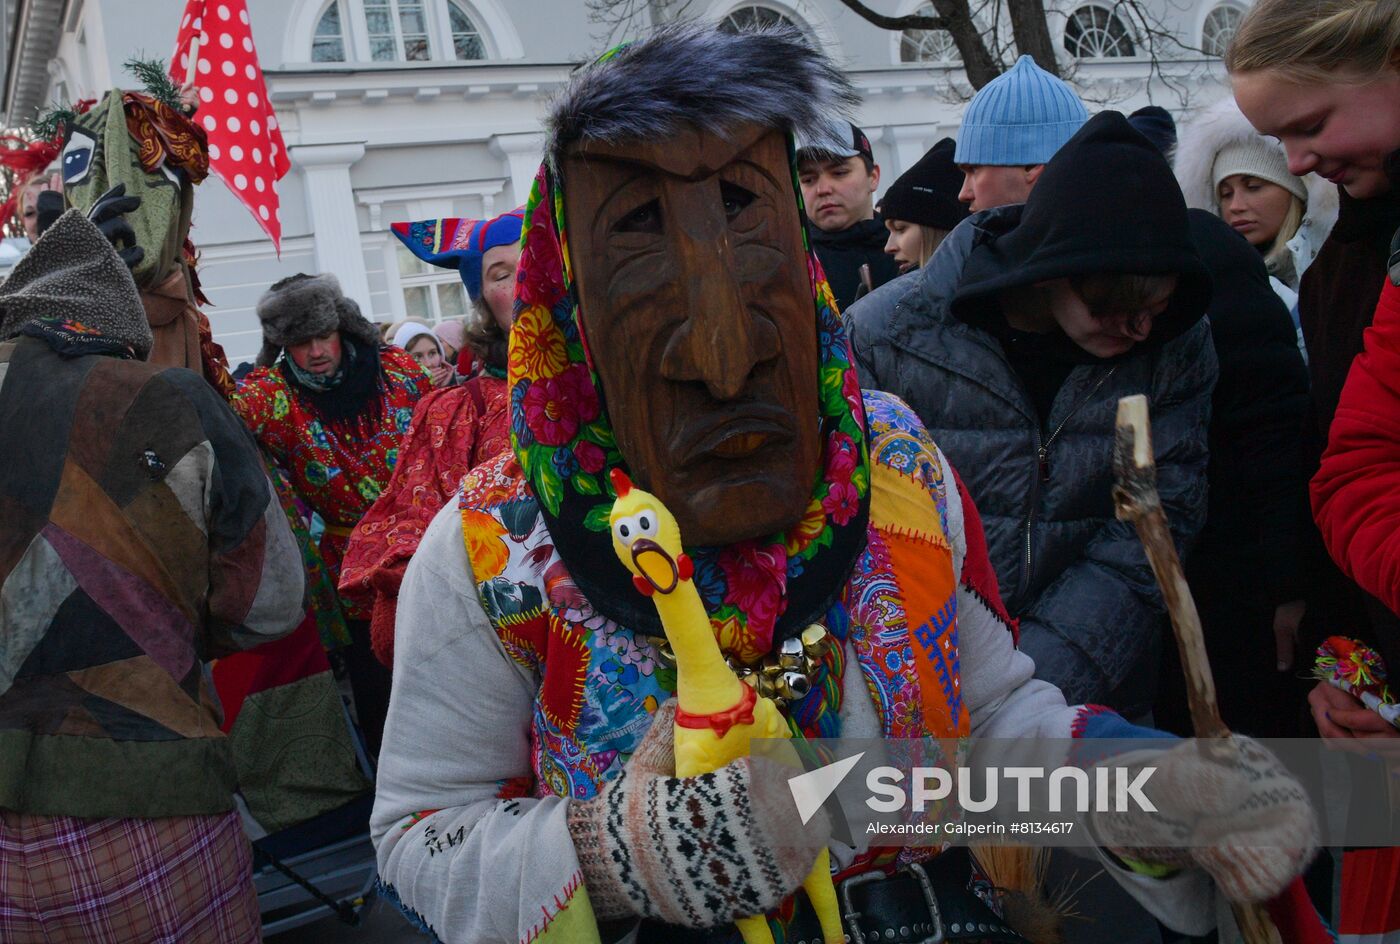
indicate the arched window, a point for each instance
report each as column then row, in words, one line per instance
column 932, row 46
column 753, row 16
column 466, row 38
column 397, row 31
column 329, row 42
column 1094, row 32
column 1219, row 28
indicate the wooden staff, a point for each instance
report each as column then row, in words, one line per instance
column 1135, row 500
column 192, row 59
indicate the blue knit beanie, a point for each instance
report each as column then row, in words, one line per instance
column 1019, row 118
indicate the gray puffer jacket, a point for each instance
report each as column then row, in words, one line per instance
column 1078, row 580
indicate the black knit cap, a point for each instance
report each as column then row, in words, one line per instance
column 1156, row 125
column 1107, row 202
column 927, row 193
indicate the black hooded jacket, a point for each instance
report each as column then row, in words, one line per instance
column 1258, row 486
column 1248, row 558
column 1074, row 575
column 842, row 253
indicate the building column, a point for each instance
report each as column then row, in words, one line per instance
column 522, row 153
column 330, row 207
column 909, row 144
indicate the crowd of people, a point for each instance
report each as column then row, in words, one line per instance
column 892, row 422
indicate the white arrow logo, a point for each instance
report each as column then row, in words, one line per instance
column 810, row 790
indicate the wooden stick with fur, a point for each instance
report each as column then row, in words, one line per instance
column 1135, row 500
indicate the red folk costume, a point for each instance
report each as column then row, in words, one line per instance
column 453, row 431
column 338, row 471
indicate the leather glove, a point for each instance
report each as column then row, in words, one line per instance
column 693, row 851
column 1244, row 818
column 108, row 214
column 48, row 207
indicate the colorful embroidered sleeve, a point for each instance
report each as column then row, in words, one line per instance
column 460, row 845
column 256, row 400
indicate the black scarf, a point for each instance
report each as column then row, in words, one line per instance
column 353, row 407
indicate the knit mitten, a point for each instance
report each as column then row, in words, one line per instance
column 1244, row 818
column 694, row 851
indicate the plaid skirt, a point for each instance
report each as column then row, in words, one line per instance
column 178, row 880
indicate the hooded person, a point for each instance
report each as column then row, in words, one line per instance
column 453, row 335
column 922, row 207
column 330, row 408
column 144, row 540
column 1014, row 346
column 671, row 325
column 453, row 430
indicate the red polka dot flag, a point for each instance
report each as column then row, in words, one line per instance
column 245, row 143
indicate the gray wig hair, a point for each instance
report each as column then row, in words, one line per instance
column 693, row 74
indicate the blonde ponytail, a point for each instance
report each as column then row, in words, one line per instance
column 1318, row 40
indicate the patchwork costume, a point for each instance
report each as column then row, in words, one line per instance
column 525, row 678
column 142, row 540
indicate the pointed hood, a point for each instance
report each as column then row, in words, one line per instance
column 73, row 282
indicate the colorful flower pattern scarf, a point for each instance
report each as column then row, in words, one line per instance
column 756, row 591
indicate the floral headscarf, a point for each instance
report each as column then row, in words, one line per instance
column 756, row 591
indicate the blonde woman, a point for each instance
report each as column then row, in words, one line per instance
column 1228, row 168
column 1324, row 78
column 922, row 207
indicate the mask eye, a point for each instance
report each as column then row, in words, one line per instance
column 645, row 219
column 77, row 157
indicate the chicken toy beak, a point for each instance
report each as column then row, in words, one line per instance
column 655, row 566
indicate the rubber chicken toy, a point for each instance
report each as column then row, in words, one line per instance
column 717, row 715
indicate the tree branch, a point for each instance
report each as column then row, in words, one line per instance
column 912, row 21
column 1032, row 33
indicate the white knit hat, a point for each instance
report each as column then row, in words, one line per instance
column 1260, row 158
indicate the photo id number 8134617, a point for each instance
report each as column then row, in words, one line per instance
column 1041, row 828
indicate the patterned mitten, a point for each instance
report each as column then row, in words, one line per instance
column 1245, row 820
column 694, row 851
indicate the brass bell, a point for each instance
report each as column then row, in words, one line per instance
column 790, row 653
column 815, row 641
column 792, row 686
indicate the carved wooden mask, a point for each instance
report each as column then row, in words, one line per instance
column 695, row 297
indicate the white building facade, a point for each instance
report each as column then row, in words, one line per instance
column 412, row 109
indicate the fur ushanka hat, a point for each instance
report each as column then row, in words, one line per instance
column 301, row 307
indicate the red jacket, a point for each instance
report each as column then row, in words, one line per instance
column 453, row 431
column 1356, row 493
